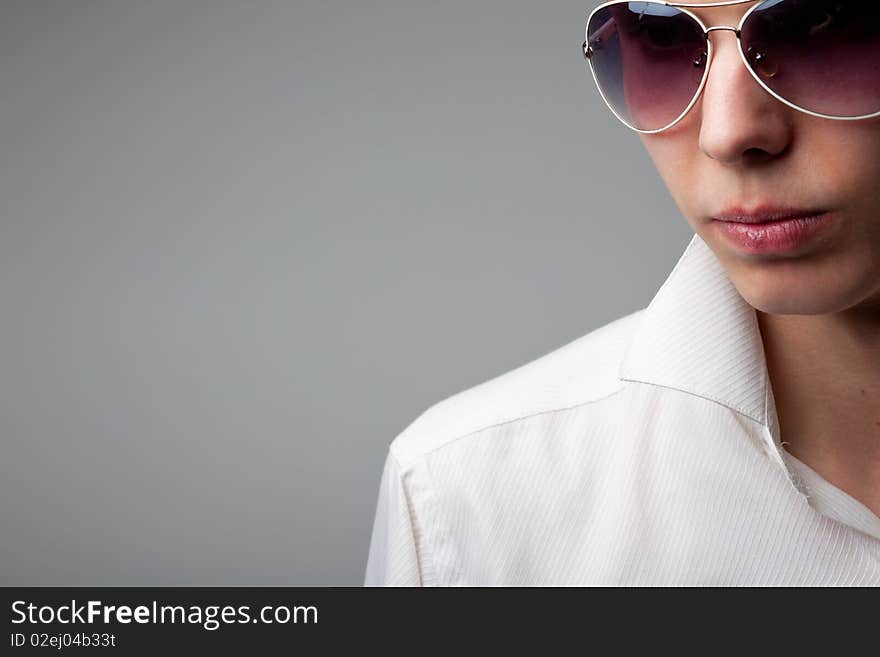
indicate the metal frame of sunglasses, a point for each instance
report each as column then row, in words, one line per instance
column 587, row 52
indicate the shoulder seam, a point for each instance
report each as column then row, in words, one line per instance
column 502, row 423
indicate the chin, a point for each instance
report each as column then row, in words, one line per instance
column 788, row 308
column 795, row 297
column 823, row 283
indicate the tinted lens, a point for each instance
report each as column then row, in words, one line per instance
column 648, row 60
column 821, row 55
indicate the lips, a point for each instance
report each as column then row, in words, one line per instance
column 769, row 232
column 766, row 213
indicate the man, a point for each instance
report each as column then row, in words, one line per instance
column 729, row 433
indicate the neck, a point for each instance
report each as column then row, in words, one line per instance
column 825, row 373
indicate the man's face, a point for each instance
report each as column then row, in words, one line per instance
column 740, row 147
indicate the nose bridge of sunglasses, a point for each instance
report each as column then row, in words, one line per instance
column 714, row 28
column 717, row 43
column 755, row 57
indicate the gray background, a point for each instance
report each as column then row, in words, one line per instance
column 244, row 244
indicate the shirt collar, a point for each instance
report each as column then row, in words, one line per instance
column 699, row 336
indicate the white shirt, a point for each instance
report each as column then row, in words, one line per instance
column 646, row 452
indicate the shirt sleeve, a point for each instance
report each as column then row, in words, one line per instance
column 393, row 558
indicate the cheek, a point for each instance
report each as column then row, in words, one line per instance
column 675, row 155
column 849, row 169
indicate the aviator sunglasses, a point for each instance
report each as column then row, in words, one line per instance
column 650, row 60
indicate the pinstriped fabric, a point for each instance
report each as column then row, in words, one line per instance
column 645, row 453
column 393, row 542
column 705, row 342
column 834, row 502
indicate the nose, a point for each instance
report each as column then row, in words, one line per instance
column 740, row 120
